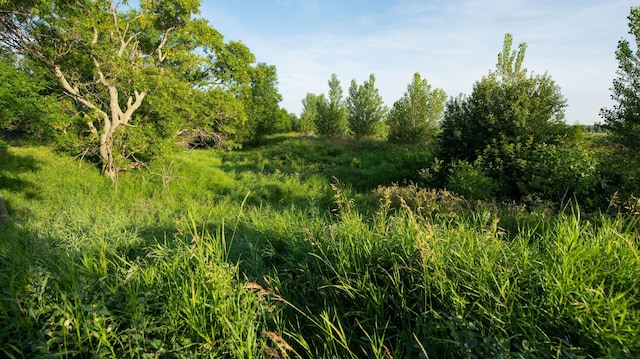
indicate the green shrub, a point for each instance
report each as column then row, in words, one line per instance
column 560, row 172
column 470, row 181
column 556, row 172
column 619, row 169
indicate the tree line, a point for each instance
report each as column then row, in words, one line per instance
column 492, row 139
column 508, row 138
column 119, row 84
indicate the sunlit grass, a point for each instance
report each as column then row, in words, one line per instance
column 281, row 251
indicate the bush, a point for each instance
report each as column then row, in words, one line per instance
column 470, row 181
column 618, row 168
column 505, row 124
column 553, row 172
column 560, row 172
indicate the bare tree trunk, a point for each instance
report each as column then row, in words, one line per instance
column 111, row 123
column 106, row 155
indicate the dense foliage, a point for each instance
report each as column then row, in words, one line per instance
column 508, row 105
column 623, row 120
column 125, row 66
column 261, row 102
column 27, row 105
column 331, row 114
column 414, row 118
column 365, row 108
column 307, row 122
column 512, row 128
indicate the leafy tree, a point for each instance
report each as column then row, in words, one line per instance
column 309, row 113
column 28, row 104
column 212, row 84
column 619, row 159
column 365, row 108
column 506, row 105
column 293, row 122
column 112, row 59
column 261, row 102
column 331, row 117
column 623, row 120
column 414, row 118
column 508, row 120
column 211, row 117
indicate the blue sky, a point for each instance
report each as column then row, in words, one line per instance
column 452, row 43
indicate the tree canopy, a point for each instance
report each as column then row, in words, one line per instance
column 414, row 118
column 623, row 119
column 27, row 104
column 508, row 104
column 156, row 67
column 505, row 124
column 331, row 115
column 365, row 108
column 309, row 113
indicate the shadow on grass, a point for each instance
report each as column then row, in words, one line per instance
column 269, row 141
column 58, row 296
column 11, row 168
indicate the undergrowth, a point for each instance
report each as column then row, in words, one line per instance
column 278, row 251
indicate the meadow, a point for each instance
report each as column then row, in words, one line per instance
column 302, row 247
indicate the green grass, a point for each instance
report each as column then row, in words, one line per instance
column 291, row 249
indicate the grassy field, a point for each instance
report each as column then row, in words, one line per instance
column 301, row 247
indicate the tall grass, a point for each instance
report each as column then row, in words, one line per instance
column 257, row 254
column 405, row 284
column 181, row 298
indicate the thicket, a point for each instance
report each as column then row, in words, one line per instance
column 623, row 119
column 511, row 130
